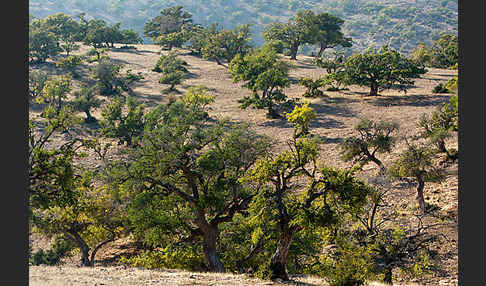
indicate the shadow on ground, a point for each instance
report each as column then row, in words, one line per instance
column 408, row 100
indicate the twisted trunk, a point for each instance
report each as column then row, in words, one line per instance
column 374, row 89
column 293, row 51
column 388, row 276
column 420, row 195
column 210, row 238
column 278, row 261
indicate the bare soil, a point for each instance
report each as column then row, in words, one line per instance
column 338, row 112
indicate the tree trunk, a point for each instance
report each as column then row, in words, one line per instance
column 279, row 258
column 89, row 117
column 420, row 195
column 388, row 276
column 210, row 253
column 321, row 51
column 210, row 238
column 374, row 89
column 293, row 51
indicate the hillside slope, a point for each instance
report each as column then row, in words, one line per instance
column 338, row 112
column 401, row 24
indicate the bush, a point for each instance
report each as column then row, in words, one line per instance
column 440, row 88
column 352, row 266
column 60, row 249
column 264, row 271
column 180, row 258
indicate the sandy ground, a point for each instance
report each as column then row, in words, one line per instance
column 338, row 113
column 126, row 276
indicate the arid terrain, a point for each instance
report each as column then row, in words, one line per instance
column 338, row 112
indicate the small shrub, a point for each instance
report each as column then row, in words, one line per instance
column 440, row 88
column 264, row 271
column 60, row 249
column 352, row 267
column 180, row 258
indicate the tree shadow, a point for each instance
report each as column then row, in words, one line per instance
column 333, row 106
column 408, row 100
column 294, row 282
column 133, row 51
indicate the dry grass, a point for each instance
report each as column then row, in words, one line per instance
column 337, row 115
column 115, row 276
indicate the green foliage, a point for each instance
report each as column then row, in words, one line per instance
column 70, row 63
column 107, row 73
column 312, row 86
column 261, row 71
column 37, row 80
column 451, row 85
column 301, row 117
column 445, row 51
column 185, row 258
column 331, row 196
column 55, row 92
column 380, row 70
column 42, row 43
column 170, row 20
column 306, row 27
column 84, row 100
column 95, row 33
column 123, row 120
column 440, row 126
column 169, row 63
column 226, row 44
column 175, row 39
column 421, row 54
column 198, row 36
column 335, row 70
column 130, row 36
column 352, row 265
column 60, row 249
column 184, row 175
column 417, row 163
column 96, row 55
column 374, row 138
column 173, row 70
column 440, row 88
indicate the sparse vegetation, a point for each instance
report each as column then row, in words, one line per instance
column 193, row 185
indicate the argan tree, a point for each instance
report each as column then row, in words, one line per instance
column 60, row 198
column 123, row 119
column 173, row 71
column 312, row 86
column 416, row 162
column 170, row 20
column 55, row 92
column 380, row 70
column 70, row 64
column 37, row 80
column 373, row 138
column 295, row 207
column 301, row 117
column 226, row 44
column 187, row 172
column 43, row 44
column 445, row 51
column 292, row 34
column 328, row 32
column 440, row 126
column 84, row 100
column 107, row 74
column 265, row 75
column 66, row 29
column 89, row 219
